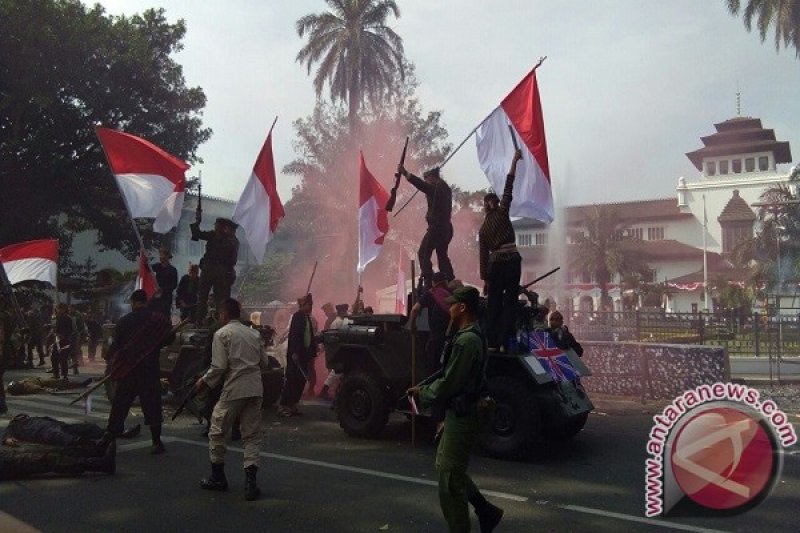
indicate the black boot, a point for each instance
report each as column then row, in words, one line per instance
column 488, row 516
column 251, row 490
column 155, row 434
column 217, row 481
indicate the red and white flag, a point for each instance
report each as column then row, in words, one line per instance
column 400, row 294
column 373, row 219
column 31, row 260
column 521, row 109
column 151, row 180
column 145, row 279
column 259, row 208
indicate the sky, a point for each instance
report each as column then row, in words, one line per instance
column 628, row 87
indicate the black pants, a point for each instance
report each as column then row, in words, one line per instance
column 501, row 309
column 217, row 277
column 35, row 343
column 294, row 384
column 60, row 361
column 3, row 406
column 436, row 238
column 143, row 383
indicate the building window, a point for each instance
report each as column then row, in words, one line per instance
column 711, row 168
column 750, row 164
column 735, row 232
column 524, row 239
column 655, row 234
column 763, row 163
column 736, row 165
column 541, row 239
column 637, row 234
column 723, row 167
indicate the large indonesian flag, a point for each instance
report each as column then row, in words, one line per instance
column 145, row 279
column 260, row 209
column 31, row 260
column 522, row 110
column 373, row 219
column 151, row 180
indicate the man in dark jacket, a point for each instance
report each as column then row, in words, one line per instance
column 167, row 279
column 300, row 351
column 500, row 263
column 217, row 265
column 62, row 345
column 186, row 295
column 133, row 363
column 561, row 334
column 440, row 230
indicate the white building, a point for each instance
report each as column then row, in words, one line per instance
column 736, row 165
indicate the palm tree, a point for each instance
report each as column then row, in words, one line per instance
column 784, row 14
column 359, row 56
column 601, row 251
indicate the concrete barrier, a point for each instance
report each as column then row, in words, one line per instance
column 652, row 371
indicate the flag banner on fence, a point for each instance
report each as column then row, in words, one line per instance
column 31, row 260
column 522, row 110
column 151, row 180
column 373, row 219
column 259, row 208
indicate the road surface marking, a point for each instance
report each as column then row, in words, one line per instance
column 640, row 519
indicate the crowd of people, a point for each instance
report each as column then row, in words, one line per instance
column 455, row 354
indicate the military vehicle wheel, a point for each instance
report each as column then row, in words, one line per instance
column 515, row 426
column 572, row 426
column 361, row 406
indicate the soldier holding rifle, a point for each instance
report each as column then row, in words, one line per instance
column 500, row 263
column 440, row 230
column 217, row 265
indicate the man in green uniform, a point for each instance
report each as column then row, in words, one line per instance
column 217, row 265
column 460, row 388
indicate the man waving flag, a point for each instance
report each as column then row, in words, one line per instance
column 522, row 110
column 259, row 208
column 31, row 260
column 373, row 219
column 151, row 180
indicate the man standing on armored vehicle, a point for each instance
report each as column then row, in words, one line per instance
column 217, row 265
column 460, row 387
column 440, row 230
column 500, row 262
column 167, row 280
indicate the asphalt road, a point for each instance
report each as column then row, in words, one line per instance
column 316, row 479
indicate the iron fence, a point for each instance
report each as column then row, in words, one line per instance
column 742, row 334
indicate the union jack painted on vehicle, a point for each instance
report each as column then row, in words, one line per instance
column 553, row 359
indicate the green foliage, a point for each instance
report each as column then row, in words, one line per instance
column 603, row 250
column 784, row 15
column 64, row 68
column 263, row 283
column 359, row 56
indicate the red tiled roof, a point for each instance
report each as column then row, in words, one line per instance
column 633, row 211
column 736, row 210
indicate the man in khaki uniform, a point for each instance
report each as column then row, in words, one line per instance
column 238, row 357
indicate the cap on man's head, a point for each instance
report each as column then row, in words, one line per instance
column 342, row 308
column 465, row 295
column 438, row 277
column 227, row 222
column 303, row 300
column 164, row 250
column 139, row 296
column 434, row 172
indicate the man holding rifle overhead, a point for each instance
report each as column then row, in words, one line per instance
column 500, row 262
column 440, row 230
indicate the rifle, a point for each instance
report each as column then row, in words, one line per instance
column 311, row 279
column 540, row 278
column 393, row 194
column 110, row 375
column 185, row 401
column 513, row 137
column 198, row 212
